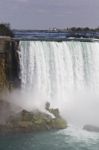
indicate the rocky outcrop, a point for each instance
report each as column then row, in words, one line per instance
column 91, row 128
column 25, row 121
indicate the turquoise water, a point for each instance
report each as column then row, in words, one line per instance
column 69, row 139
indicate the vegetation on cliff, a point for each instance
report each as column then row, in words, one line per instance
column 5, row 30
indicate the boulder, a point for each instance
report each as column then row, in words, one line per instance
column 34, row 121
column 91, row 128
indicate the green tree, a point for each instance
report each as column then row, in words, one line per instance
column 5, row 30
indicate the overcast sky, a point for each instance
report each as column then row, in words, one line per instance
column 44, row 14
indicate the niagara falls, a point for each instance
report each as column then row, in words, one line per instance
column 49, row 75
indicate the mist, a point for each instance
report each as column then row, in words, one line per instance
column 81, row 108
column 14, row 102
column 78, row 108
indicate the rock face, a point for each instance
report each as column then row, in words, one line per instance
column 9, row 64
column 25, row 121
column 91, row 128
column 3, row 78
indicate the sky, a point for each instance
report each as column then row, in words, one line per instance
column 45, row 14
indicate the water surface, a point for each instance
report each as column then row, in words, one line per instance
column 68, row 139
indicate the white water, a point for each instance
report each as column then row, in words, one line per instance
column 57, row 69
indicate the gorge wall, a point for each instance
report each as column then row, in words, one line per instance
column 8, row 63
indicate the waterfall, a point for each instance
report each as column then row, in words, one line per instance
column 58, row 67
column 59, row 70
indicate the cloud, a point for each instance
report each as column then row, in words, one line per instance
column 23, row 1
column 45, row 13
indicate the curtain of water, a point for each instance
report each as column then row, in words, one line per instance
column 58, row 67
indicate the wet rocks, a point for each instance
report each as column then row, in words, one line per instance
column 91, row 128
column 33, row 121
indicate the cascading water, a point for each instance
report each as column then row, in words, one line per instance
column 57, row 68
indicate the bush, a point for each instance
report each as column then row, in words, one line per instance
column 5, row 30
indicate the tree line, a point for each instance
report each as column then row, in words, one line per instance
column 5, row 30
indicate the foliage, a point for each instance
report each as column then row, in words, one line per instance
column 5, row 30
